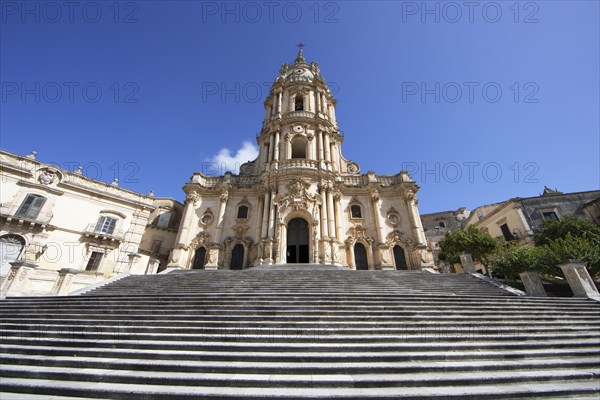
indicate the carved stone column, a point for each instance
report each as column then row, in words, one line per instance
column 326, row 149
column 272, row 215
column 265, row 216
column 276, row 150
column 279, row 99
column 183, row 237
column 324, row 219
column 321, row 156
column 222, row 206
column 271, row 149
column 311, row 146
column 330, row 214
column 337, row 197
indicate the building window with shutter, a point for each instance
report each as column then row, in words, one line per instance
column 163, row 220
column 31, row 206
column 94, row 261
column 550, row 216
column 508, row 236
column 156, row 245
column 106, row 225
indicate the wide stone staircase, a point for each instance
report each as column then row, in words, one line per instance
column 302, row 332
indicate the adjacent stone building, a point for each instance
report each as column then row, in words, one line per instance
column 61, row 231
column 518, row 218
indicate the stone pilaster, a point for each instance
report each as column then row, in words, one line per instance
column 64, row 281
column 579, row 279
column 152, row 267
column 17, row 280
column 467, row 263
column 533, row 284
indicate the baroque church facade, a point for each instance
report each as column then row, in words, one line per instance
column 299, row 201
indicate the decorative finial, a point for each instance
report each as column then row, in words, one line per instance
column 151, row 194
column 300, row 57
column 115, row 182
column 32, row 155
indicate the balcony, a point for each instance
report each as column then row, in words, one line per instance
column 114, row 238
column 299, row 115
column 41, row 220
column 298, row 163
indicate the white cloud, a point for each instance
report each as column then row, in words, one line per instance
column 224, row 161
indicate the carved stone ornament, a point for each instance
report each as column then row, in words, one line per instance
column 357, row 233
column 353, row 168
column 47, row 177
column 284, row 68
column 240, row 230
column 298, row 198
column 193, row 197
column 207, row 217
column 374, row 196
column 201, row 239
column 248, row 168
column 393, row 218
column 224, row 196
column 396, row 237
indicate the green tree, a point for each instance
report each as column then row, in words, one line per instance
column 570, row 225
column 472, row 240
column 513, row 259
column 585, row 247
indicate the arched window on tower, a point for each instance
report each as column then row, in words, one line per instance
column 355, row 211
column 299, row 103
column 299, row 147
column 242, row 212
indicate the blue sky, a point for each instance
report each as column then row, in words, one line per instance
column 481, row 103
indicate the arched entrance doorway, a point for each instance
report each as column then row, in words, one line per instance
column 360, row 257
column 237, row 257
column 297, row 241
column 10, row 250
column 199, row 258
column 399, row 258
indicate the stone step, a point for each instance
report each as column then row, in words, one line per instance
column 257, row 379
column 374, row 329
column 332, row 366
column 159, row 392
column 299, row 318
column 315, row 346
column 385, row 298
column 306, row 306
column 329, row 356
column 300, row 334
